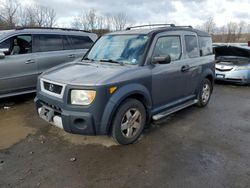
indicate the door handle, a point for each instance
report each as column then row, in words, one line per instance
column 30, row 61
column 72, row 56
column 185, row 68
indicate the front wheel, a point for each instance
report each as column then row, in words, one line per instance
column 204, row 93
column 129, row 122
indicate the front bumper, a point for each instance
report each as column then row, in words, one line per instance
column 70, row 121
column 235, row 76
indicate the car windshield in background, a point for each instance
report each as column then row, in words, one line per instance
column 126, row 49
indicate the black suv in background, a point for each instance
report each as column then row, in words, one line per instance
column 127, row 79
column 27, row 52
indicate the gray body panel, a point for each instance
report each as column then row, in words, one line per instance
column 16, row 73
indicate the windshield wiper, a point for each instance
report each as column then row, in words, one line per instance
column 86, row 58
column 111, row 61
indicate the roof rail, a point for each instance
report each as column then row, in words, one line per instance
column 185, row 26
column 150, row 25
column 54, row 28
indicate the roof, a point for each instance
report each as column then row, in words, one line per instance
column 37, row 30
column 170, row 27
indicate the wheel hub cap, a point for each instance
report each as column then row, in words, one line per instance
column 131, row 122
column 205, row 93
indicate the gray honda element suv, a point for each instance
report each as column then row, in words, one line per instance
column 127, row 79
column 25, row 53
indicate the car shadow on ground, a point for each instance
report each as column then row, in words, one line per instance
column 219, row 82
column 15, row 100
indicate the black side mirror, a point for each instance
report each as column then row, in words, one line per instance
column 162, row 59
column 2, row 55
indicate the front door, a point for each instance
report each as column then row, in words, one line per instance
column 18, row 69
column 168, row 80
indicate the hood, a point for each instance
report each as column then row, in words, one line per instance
column 232, row 51
column 87, row 74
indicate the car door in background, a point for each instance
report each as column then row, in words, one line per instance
column 52, row 50
column 18, row 69
column 77, row 46
column 49, row 51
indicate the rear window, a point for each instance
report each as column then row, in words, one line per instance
column 192, row 46
column 206, row 46
column 47, row 43
column 80, row 42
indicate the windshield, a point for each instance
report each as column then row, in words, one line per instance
column 119, row 48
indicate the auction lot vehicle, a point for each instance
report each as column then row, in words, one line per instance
column 127, row 79
column 27, row 52
column 232, row 64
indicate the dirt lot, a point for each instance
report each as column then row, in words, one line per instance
column 193, row 148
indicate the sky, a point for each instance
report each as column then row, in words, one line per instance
column 180, row 12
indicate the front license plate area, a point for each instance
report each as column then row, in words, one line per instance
column 220, row 75
column 47, row 113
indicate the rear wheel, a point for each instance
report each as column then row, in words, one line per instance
column 129, row 122
column 204, row 93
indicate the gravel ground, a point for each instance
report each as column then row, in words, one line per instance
column 195, row 147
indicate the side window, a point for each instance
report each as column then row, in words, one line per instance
column 6, row 46
column 81, row 42
column 49, row 43
column 66, row 43
column 192, row 46
column 170, row 45
column 206, row 46
column 20, row 44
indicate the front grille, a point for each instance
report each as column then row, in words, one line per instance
column 57, row 109
column 223, row 70
column 52, row 87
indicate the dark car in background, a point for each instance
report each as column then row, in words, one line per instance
column 232, row 64
column 27, row 52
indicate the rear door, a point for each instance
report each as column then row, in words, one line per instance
column 49, row 51
column 18, row 70
column 194, row 62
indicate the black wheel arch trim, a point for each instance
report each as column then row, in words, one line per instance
column 117, row 98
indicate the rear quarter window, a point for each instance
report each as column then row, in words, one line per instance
column 206, row 46
column 80, row 42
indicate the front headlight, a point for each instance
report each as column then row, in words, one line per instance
column 82, row 97
column 247, row 67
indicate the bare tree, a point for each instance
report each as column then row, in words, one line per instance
column 241, row 29
column 231, row 31
column 209, row 26
column 8, row 11
column 38, row 16
column 88, row 20
column 108, row 21
column 120, row 21
column 76, row 23
column 44, row 16
column 91, row 19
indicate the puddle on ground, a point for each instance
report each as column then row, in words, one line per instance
column 13, row 129
column 15, row 115
column 84, row 140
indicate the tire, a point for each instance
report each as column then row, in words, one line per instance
column 128, row 122
column 204, row 93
